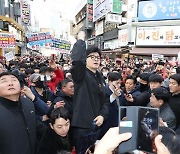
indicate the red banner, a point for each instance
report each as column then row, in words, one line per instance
column 7, row 40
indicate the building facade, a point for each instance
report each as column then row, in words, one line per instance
column 12, row 33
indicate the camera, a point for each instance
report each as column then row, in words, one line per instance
column 45, row 78
column 143, row 123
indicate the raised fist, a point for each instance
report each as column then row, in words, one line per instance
column 81, row 35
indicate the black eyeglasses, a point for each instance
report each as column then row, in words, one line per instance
column 94, row 57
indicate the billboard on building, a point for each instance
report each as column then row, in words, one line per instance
column 123, row 37
column 158, row 36
column 159, row 10
column 7, row 40
column 100, row 8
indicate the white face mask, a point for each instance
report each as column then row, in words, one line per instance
column 105, row 74
column 66, row 68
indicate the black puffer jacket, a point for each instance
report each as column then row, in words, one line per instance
column 61, row 96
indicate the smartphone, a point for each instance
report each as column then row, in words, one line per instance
column 143, row 123
column 148, row 122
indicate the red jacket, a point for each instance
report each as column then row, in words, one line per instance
column 54, row 81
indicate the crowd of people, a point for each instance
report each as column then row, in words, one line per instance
column 55, row 106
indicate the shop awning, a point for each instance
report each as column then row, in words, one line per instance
column 150, row 51
column 12, row 22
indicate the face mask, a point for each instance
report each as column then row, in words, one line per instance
column 39, row 84
column 143, row 87
column 48, row 77
column 105, row 74
column 66, row 68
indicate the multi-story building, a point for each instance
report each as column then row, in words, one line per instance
column 11, row 29
column 157, row 28
column 84, row 19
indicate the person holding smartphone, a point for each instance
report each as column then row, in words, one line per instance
column 113, row 93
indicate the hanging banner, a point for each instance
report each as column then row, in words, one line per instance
column 7, row 40
column 37, row 40
column 61, row 45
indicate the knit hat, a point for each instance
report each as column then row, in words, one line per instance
column 34, row 77
column 93, row 49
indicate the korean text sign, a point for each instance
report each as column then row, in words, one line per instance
column 159, row 10
column 7, row 40
column 158, row 36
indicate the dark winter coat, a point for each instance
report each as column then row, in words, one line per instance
column 18, row 126
column 174, row 103
column 61, row 96
column 89, row 93
column 51, row 143
column 168, row 116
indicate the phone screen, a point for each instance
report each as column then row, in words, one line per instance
column 148, row 128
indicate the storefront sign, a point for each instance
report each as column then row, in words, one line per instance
column 113, row 18
column 99, row 28
column 91, row 42
column 89, row 19
column 123, row 37
column 110, row 27
column 112, row 44
column 25, row 11
column 158, row 36
column 132, row 10
column 7, row 40
column 157, row 57
column 159, row 10
column 117, row 6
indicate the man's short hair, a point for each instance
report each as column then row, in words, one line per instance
column 10, row 73
column 45, row 69
column 132, row 78
column 93, row 49
column 114, row 76
column 156, row 78
column 161, row 93
column 176, row 77
column 145, row 76
column 63, row 83
column 60, row 112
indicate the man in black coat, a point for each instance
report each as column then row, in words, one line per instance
column 115, row 97
column 65, row 95
column 174, row 100
column 159, row 99
column 89, row 101
column 17, row 117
